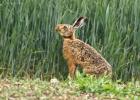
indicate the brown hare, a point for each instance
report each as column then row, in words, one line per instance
column 76, row 52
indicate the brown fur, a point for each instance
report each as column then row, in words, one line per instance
column 76, row 52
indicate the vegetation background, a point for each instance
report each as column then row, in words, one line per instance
column 29, row 46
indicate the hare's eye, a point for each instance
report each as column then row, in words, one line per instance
column 65, row 27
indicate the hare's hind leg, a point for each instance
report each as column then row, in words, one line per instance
column 72, row 69
column 97, row 71
column 90, row 70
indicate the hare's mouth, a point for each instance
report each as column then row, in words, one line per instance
column 57, row 29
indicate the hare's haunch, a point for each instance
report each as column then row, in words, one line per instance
column 76, row 52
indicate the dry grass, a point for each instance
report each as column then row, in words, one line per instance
column 82, row 88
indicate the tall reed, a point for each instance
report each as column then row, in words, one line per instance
column 30, row 47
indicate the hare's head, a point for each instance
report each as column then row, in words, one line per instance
column 68, row 31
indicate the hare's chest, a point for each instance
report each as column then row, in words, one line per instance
column 69, row 52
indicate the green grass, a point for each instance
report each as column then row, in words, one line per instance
column 29, row 46
column 82, row 88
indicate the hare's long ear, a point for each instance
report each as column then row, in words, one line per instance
column 79, row 22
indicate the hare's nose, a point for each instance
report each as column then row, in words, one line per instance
column 57, row 28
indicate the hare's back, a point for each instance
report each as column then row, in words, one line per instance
column 84, row 53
